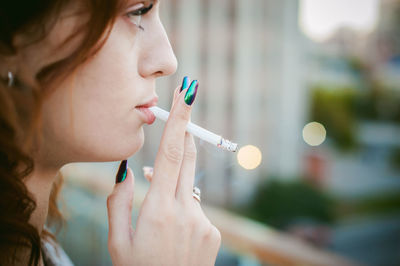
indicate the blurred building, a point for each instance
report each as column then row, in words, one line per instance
column 386, row 38
column 386, row 44
column 248, row 57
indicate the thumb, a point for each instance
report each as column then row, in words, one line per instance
column 119, row 209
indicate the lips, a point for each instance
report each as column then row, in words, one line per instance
column 147, row 115
column 150, row 103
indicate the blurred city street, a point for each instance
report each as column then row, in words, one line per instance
column 310, row 90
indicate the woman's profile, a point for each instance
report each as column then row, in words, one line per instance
column 77, row 79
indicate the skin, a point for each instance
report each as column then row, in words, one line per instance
column 91, row 116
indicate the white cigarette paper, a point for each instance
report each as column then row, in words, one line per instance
column 199, row 132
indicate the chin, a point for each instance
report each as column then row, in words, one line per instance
column 123, row 149
column 137, row 144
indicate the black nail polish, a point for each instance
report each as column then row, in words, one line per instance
column 121, row 175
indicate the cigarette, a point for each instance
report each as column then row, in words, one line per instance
column 199, row 132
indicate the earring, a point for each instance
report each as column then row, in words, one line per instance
column 10, row 79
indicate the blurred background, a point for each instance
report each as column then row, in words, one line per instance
column 310, row 90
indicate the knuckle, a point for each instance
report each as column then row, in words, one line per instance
column 185, row 224
column 110, row 200
column 191, row 152
column 173, row 153
column 204, row 227
column 191, row 221
column 188, row 219
column 162, row 219
column 157, row 222
column 207, row 234
column 211, row 234
column 217, row 235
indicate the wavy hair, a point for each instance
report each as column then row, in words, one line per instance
column 20, row 111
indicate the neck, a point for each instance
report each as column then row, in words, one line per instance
column 39, row 184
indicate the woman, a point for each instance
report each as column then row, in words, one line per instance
column 77, row 78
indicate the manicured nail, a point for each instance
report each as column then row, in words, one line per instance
column 121, row 175
column 191, row 92
column 185, row 83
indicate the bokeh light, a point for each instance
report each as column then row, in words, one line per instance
column 314, row 133
column 249, row 157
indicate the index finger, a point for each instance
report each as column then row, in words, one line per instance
column 170, row 153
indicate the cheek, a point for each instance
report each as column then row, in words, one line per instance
column 106, row 122
column 105, row 118
column 93, row 121
column 107, row 131
column 92, row 114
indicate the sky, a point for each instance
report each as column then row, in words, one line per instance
column 319, row 19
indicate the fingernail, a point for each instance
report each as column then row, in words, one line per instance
column 191, row 92
column 121, row 175
column 185, row 83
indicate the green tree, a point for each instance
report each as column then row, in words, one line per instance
column 334, row 108
column 279, row 204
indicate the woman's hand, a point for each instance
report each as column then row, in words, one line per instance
column 171, row 228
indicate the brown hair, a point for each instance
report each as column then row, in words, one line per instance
column 20, row 110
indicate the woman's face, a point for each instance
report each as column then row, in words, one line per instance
column 93, row 114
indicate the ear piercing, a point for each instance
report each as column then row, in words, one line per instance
column 10, row 79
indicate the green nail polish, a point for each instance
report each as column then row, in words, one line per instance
column 122, row 171
column 191, row 92
column 185, row 83
column 124, row 176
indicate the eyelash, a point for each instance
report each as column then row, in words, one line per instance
column 140, row 12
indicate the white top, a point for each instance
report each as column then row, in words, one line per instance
column 54, row 254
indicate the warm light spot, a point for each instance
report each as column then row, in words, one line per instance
column 249, row 157
column 314, row 133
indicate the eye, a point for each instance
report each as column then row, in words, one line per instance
column 138, row 10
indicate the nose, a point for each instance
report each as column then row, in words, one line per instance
column 156, row 57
